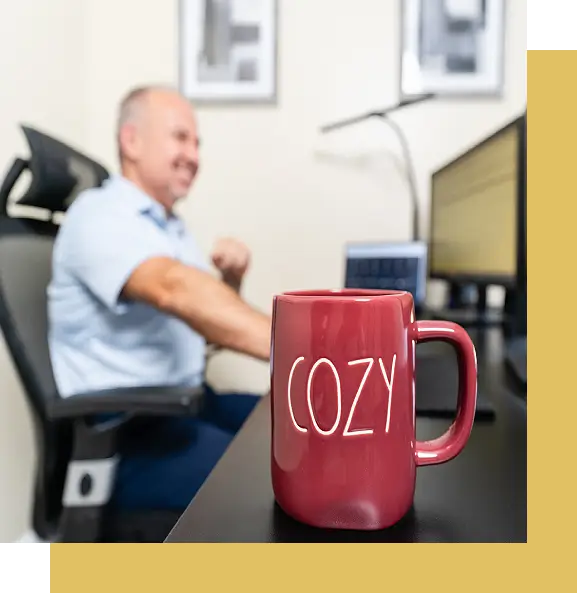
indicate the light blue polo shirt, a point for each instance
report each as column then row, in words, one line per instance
column 96, row 341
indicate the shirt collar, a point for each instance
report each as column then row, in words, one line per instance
column 141, row 201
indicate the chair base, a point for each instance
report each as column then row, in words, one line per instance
column 30, row 537
column 126, row 527
column 138, row 526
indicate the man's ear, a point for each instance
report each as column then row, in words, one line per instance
column 129, row 141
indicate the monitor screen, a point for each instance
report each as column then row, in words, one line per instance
column 474, row 211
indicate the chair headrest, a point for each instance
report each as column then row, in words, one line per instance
column 59, row 173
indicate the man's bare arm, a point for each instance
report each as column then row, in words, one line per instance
column 206, row 304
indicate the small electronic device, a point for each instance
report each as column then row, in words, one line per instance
column 388, row 266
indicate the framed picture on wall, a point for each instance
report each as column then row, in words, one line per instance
column 228, row 50
column 452, row 47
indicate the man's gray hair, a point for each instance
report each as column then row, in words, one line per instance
column 132, row 102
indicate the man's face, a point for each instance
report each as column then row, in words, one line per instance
column 164, row 147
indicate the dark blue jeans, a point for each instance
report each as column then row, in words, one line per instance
column 165, row 460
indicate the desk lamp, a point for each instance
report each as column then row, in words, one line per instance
column 398, row 266
column 384, row 115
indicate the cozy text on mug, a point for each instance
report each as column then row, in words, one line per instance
column 347, row 431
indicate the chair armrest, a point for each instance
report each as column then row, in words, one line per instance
column 153, row 400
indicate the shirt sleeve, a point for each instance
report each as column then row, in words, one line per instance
column 103, row 249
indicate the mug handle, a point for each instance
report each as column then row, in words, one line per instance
column 450, row 444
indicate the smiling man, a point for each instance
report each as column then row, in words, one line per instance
column 133, row 302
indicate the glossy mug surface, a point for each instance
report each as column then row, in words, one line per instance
column 344, row 450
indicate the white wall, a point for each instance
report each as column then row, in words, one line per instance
column 42, row 84
column 268, row 177
column 313, row 192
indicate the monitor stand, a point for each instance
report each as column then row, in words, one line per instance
column 472, row 317
column 477, row 315
column 516, row 359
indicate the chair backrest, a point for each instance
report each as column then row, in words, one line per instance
column 26, row 246
column 59, row 173
column 24, row 276
column 25, row 267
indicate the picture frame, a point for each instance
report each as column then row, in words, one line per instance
column 452, row 48
column 228, row 50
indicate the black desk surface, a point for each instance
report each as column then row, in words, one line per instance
column 480, row 496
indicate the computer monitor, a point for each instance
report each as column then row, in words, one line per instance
column 475, row 208
column 516, row 349
column 389, row 266
column 519, row 321
column 477, row 202
column 478, row 226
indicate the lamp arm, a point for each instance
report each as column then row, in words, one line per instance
column 384, row 116
column 411, row 178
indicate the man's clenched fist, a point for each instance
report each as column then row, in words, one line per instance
column 232, row 258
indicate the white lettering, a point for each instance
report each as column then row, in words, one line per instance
column 347, row 429
column 338, row 382
column 297, row 426
column 347, row 432
column 389, row 385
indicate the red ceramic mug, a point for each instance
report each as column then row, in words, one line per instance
column 344, row 449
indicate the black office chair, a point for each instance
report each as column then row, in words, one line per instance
column 76, row 462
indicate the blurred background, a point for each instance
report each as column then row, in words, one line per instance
column 269, row 176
